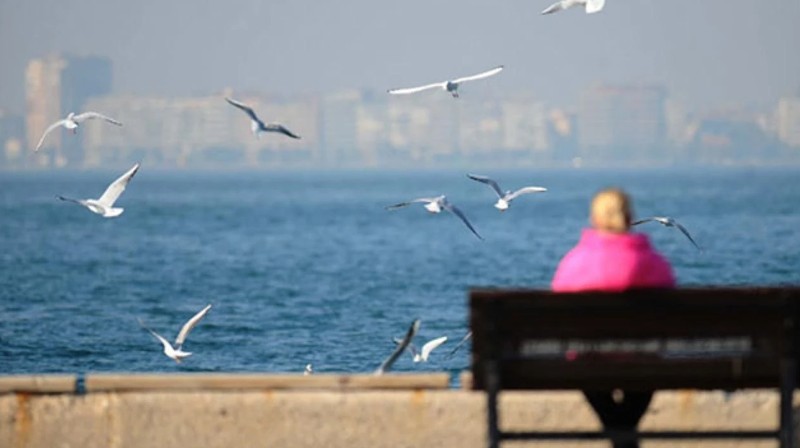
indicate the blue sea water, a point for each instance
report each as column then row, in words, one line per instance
column 308, row 267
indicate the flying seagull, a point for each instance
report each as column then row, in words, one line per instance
column 72, row 122
column 466, row 338
column 436, row 205
column 449, row 86
column 669, row 222
column 387, row 364
column 505, row 198
column 176, row 352
column 592, row 6
column 258, row 126
column 105, row 205
column 427, row 348
column 309, row 370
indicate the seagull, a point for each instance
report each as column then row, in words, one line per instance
column 258, row 126
column 308, row 370
column 669, row 222
column 427, row 348
column 105, row 205
column 387, row 364
column 176, row 353
column 592, row 6
column 449, row 86
column 466, row 338
column 505, row 198
column 436, row 205
column 72, row 122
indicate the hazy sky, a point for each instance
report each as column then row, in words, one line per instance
column 707, row 52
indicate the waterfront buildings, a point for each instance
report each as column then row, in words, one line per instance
column 55, row 86
column 788, row 121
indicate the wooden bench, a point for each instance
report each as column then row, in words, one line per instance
column 635, row 343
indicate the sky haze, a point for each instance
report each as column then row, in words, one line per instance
column 710, row 53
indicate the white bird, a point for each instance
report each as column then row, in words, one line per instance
column 436, row 205
column 427, row 348
column 72, row 122
column 387, row 364
column 448, row 86
column 256, row 125
column 592, row 6
column 308, row 370
column 176, row 352
column 105, row 205
column 505, row 198
column 669, row 222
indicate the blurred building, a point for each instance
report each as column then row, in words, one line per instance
column 55, row 86
column 423, row 130
column 525, row 130
column 200, row 132
column 339, row 130
column 12, row 140
column 619, row 123
column 788, row 121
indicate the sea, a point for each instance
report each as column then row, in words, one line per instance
column 309, row 267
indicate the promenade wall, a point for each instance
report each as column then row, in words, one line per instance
column 201, row 410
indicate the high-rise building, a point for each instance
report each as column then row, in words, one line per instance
column 12, row 130
column 55, row 86
column 339, row 139
column 788, row 118
column 622, row 122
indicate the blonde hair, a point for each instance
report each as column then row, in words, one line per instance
column 611, row 211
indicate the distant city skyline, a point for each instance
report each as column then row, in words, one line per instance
column 714, row 53
column 615, row 124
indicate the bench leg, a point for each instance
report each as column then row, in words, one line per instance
column 492, row 389
column 788, row 384
column 620, row 416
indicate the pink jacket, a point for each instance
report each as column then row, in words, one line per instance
column 612, row 262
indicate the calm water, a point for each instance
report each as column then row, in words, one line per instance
column 309, row 268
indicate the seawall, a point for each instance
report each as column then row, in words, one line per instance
column 398, row 410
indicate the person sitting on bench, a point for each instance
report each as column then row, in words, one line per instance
column 608, row 256
column 611, row 258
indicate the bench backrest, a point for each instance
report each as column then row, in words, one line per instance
column 700, row 338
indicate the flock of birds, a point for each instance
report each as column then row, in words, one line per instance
column 104, row 205
column 175, row 350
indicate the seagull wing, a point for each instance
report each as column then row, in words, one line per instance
column 466, row 338
column 187, row 327
column 642, row 221
column 161, row 339
column 49, row 130
column 485, row 74
column 247, row 109
column 555, row 7
column 525, row 190
column 282, row 129
column 593, row 6
column 409, row 90
column 686, row 232
column 430, row 346
column 452, row 209
column 116, row 188
column 490, row 182
column 387, row 364
column 413, row 201
column 80, row 118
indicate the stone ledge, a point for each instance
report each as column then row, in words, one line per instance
column 212, row 382
column 38, row 383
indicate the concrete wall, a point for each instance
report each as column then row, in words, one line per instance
column 325, row 411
